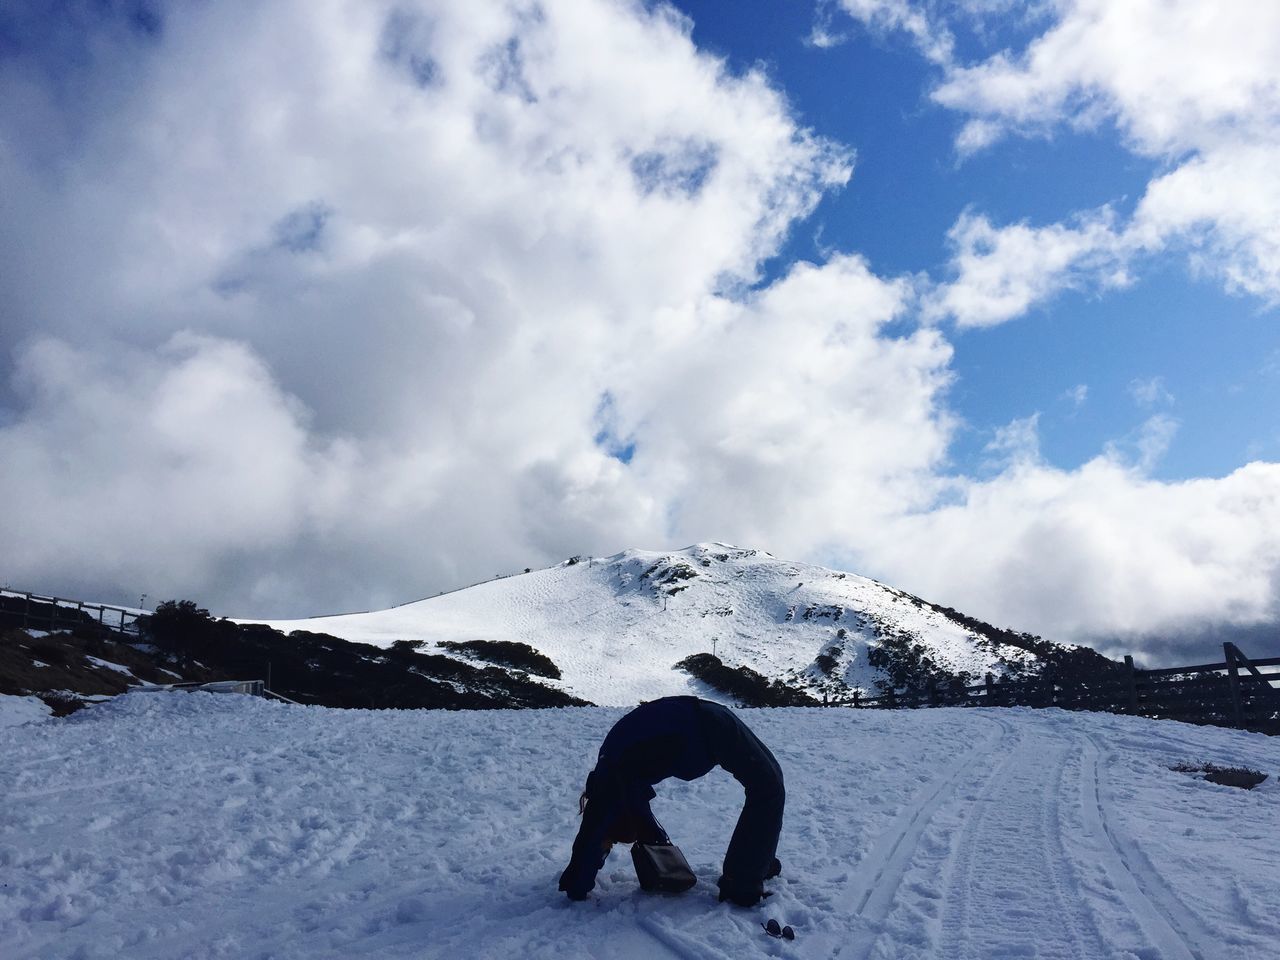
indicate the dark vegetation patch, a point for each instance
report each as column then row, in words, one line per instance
column 180, row 643
column 1241, row 777
column 1067, row 661
column 746, row 686
column 665, row 576
column 907, row 663
column 829, row 611
column 322, row 669
column 57, row 669
column 508, row 653
column 825, row 675
column 826, row 662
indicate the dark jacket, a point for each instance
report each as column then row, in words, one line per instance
column 680, row 737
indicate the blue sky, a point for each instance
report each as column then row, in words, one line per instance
column 1216, row 353
column 311, row 306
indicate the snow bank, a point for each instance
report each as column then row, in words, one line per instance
column 18, row 710
column 196, row 825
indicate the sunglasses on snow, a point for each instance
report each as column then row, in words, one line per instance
column 782, row 933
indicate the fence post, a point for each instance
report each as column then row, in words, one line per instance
column 26, row 612
column 991, row 690
column 53, row 615
column 1133, row 683
column 933, row 692
column 1233, row 677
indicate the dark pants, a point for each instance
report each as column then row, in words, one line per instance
column 754, row 844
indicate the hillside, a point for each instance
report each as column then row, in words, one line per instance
column 735, row 625
column 616, row 627
column 201, row 826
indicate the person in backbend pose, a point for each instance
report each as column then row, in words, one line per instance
column 679, row 737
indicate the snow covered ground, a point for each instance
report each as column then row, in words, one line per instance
column 198, row 825
column 19, row 710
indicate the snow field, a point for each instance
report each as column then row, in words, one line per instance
column 201, row 825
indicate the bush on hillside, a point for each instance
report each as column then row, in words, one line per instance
column 749, row 688
column 508, row 653
column 177, row 627
column 329, row 671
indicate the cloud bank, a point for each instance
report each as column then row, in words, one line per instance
column 310, row 307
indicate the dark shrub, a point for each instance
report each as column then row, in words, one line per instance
column 47, row 652
column 178, row 627
column 507, row 653
column 749, row 688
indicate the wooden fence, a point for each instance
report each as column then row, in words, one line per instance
column 1237, row 692
column 34, row 612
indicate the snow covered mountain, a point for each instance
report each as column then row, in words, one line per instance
column 616, row 627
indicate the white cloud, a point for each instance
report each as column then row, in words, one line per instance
column 1192, row 85
column 977, row 135
column 1224, row 206
column 1077, row 395
column 1175, row 75
column 1015, row 444
column 1100, row 554
column 1001, row 272
column 789, row 419
column 932, row 39
column 171, row 463
column 1155, row 437
column 1150, row 392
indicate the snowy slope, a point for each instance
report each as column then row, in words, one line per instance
column 203, row 826
column 616, row 625
column 19, row 710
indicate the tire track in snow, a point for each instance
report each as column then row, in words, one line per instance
column 1064, row 881
column 77, row 787
column 1165, row 920
column 956, row 907
column 680, row 944
column 1010, row 843
column 871, row 895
